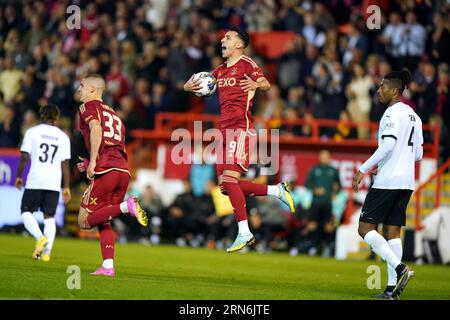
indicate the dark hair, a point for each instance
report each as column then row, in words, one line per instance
column 242, row 34
column 399, row 79
column 49, row 112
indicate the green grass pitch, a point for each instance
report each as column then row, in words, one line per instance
column 171, row 273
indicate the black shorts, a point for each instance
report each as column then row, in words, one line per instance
column 386, row 206
column 320, row 212
column 46, row 200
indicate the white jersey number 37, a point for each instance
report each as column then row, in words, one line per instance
column 48, row 152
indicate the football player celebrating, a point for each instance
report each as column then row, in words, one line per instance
column 238, row 79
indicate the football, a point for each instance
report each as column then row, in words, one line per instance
column 208, row 84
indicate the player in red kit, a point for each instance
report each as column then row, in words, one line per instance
column 238, row 79
column 107, row 169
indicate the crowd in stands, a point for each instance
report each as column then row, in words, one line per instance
column 147, row 49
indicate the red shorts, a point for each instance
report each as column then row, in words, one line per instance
column 235, row 155
column 106, row 189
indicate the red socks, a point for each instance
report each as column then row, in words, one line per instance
column 237, row 198
column 237, row 191
column 103, row 215
column 251, row 189
column 107, row 238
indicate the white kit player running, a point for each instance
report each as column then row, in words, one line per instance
column 399, row 147
column 48, row 147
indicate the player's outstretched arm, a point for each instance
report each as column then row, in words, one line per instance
column 24, row 156
column 192, row 85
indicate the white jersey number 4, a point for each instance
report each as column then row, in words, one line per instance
column 410, row 140
column 397, row 169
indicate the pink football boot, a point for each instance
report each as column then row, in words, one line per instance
column 104, row 272
column 136, row 211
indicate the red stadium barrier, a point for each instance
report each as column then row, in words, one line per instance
column 9, row 151
column 167, row 122
column 437, row 175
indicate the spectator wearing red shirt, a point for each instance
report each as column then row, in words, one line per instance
column 89, row 23
column 116, row 82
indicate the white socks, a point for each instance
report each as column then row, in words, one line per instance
column 32, row 227
column 396, row 247
column 124, row 207
column 243, row 227
column 31, row 224
column 273, row 191
column 108, row 263
column 380, row 246
column 49, row 232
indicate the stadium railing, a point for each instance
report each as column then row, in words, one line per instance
column 167, row 122
column 437, row 175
